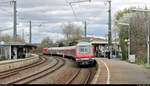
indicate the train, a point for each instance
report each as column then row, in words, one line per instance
column 82, row 53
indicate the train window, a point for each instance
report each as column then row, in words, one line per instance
column 81, row 50
column 84, row 50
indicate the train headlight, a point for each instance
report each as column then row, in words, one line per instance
column 91, row 59
column 78, row 58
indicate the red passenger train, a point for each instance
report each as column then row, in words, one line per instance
column 83, row 52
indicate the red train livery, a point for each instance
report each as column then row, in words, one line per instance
column 83, row 52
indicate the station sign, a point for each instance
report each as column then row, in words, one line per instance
column 132, row 58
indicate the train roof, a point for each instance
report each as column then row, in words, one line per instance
column 60, row 48
column 83, row 43
column 69, row 47
column 19, row 44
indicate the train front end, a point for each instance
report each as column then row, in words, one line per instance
column 45, row 51
column 85, row 54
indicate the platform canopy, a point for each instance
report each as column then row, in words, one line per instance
column 20, row 44
column 15, row 50
column 103, row 42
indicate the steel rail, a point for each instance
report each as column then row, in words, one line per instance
column 88, row 77
column 74, row 76
column 6, row 74
column 36, row 74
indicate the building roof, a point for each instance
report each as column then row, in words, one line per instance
column 83, row 43
column 96, row 39
column 103, row 42
column 19, row 44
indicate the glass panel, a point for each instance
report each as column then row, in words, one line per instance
column 84, row 50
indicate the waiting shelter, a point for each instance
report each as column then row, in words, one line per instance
column 15, row 50
column 101, row 47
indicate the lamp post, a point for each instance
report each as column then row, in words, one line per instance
column 128, row 41
column 109, row 27
column 14, row 21
column 141, row 10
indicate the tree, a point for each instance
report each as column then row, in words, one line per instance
column 72, row 32
column 138, row 31
column 61, row 42
column 7, row 38
column 68, row 30
column 72, row 41
column 45, row 43
column 19, row 39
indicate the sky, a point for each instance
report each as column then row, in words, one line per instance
column 48, row 16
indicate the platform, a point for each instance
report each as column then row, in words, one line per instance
column 114, row 71
column 11, row 64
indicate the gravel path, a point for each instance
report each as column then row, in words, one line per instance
column 58, row 76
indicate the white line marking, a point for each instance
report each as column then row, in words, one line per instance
column 108, row 72
column 97, row 74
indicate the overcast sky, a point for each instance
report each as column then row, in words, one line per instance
column 47, row 16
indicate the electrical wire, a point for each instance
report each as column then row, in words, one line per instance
column 5, row 2
column 6, row 12
column 73, row 11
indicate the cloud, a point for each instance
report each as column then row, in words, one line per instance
column 47, row 16
column 53, row 36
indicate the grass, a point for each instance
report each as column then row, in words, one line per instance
column 140, row 61
column 145, row 65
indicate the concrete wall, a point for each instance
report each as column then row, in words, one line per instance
column 11, row 64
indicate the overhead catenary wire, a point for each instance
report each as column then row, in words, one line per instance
column 5, row 2
column 5, row 12
column 3, row 9
column 4, row 29
column 73, row 11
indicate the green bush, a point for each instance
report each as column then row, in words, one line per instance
column 123, row 46
column 140, row 60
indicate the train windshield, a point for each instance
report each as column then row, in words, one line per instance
column 84, row 50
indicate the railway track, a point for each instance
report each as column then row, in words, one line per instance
column 73, row 79
column 40, row 74
column 11, row 72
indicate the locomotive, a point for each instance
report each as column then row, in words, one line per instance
column 83, row 52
